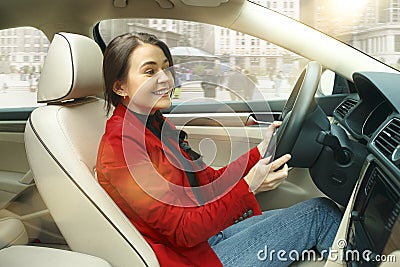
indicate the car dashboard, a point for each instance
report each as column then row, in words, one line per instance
column 372, row 117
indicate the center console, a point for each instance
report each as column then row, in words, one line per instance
column 375, row 224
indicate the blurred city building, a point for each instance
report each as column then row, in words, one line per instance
column 22, row 50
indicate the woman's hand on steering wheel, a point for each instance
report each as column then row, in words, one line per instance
column 262, row 147
column 265, row 176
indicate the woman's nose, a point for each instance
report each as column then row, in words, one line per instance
column 163, row 77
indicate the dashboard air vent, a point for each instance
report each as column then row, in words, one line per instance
column 388, row 140
column 345, row 107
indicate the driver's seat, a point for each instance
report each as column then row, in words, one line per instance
column 62, row 139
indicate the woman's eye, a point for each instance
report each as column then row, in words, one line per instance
column 150, row 72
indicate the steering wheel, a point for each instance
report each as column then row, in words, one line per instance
column 300, row 103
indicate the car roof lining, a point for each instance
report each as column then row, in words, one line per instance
column 50, row 19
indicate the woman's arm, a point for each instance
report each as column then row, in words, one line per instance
column 167, row 208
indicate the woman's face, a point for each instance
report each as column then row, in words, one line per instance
column 148, row 84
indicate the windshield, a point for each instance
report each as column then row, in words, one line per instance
column 371, row 26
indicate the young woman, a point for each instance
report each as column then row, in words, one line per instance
column 189, row 213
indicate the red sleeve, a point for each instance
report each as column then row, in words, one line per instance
column 163, row 207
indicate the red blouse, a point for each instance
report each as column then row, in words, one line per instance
column 148, row 183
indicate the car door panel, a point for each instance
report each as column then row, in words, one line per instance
column 221, row 145
column 19, row 197
column 13, row 166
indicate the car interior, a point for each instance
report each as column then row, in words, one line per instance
column 345, row 144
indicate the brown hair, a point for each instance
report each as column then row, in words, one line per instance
column 116, row 61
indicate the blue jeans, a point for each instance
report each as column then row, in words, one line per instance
column 278, row 237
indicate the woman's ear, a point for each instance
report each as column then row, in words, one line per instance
column 118, row 88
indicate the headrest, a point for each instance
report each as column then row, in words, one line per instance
column 72, row 69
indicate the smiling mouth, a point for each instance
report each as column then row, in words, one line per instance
column 163, row 91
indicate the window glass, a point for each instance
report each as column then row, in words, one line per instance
column 209, row 59
column 22, row 53
column 371, row 26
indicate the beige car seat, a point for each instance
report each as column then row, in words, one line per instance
column 62, row 139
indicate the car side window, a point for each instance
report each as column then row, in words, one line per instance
column 216, row 63
column 22, row 53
